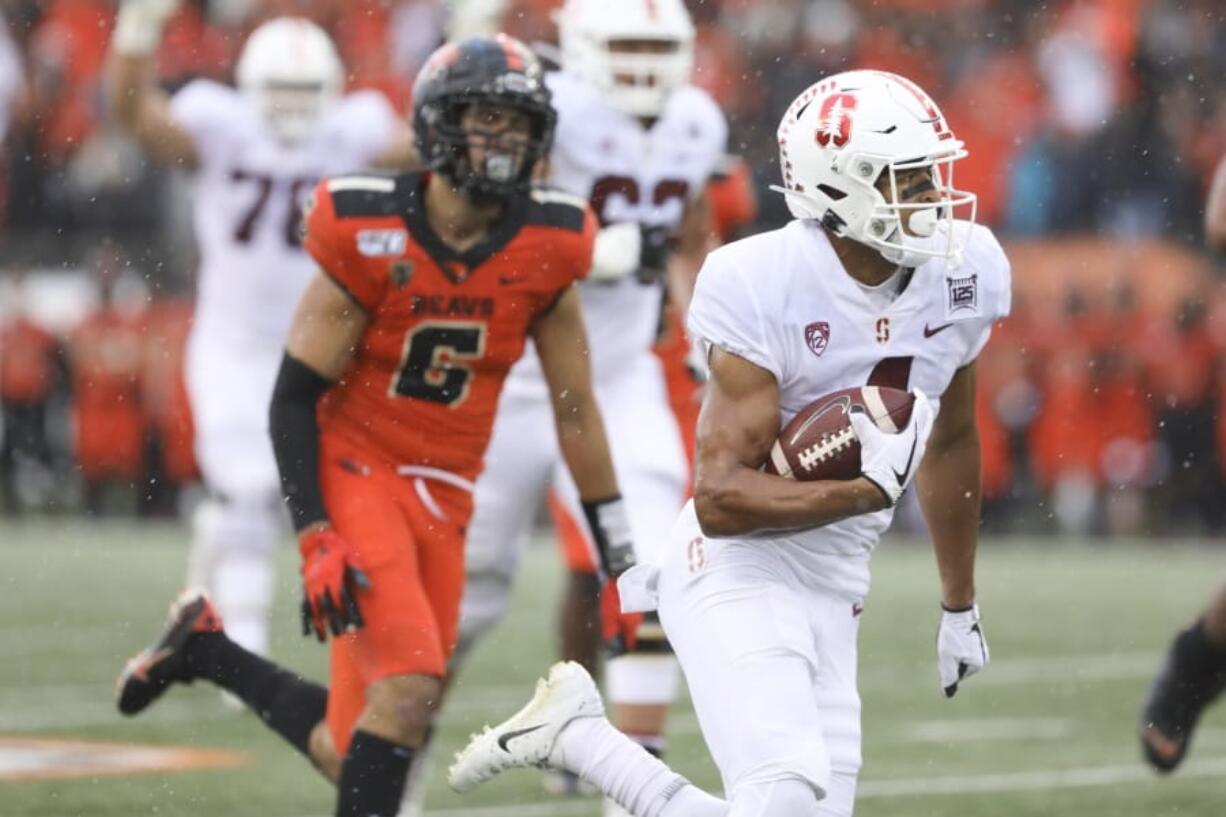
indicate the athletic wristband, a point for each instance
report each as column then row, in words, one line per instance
column 610, row 526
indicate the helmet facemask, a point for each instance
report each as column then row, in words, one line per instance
column 487, row 165
column 482, row 116
column 909, row 232
column 635, row 52
column 850, row 149
column 290, row 71
column 292, row 110
column 639, row 75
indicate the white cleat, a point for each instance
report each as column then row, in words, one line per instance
column 529, row 737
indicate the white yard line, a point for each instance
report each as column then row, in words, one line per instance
column 64, row 706
column 1113, row 666
column 984, row 730
column 70, row 715
column 1037, row 780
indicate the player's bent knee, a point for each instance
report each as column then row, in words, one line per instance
column 789, row 797
column 323, row 752
column 401, row 708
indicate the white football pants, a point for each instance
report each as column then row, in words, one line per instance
column 235, row 530
column 523, row 460
column 770, row 661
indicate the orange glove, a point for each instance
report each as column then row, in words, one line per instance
column 331, row 576
column 619, row 630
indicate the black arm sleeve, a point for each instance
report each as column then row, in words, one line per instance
column 295, row 439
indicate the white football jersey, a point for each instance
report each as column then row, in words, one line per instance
column 628, row 173
column 783, row 301
column 248, row 193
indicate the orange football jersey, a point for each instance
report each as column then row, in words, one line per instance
column 444, row 327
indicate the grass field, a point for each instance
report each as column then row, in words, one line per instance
column 1075, row 631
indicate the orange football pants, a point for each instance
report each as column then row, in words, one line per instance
column 409, row 534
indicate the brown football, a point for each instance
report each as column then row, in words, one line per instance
column 819, row 443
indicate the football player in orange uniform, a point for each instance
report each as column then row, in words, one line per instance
column 1193, row 673
column 430, row 284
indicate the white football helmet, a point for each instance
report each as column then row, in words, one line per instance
column 839, row 137
column 291, row 72
column 638, row 83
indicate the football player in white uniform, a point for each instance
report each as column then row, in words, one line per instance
column 763, row 579
column 638, row 142
column 254, row 152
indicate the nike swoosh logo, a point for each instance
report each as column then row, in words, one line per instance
column 843, row 404
column 507, row 737
column 142, row 672
column 930, row 331
column 902, row 478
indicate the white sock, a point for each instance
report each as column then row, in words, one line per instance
column 621, row 768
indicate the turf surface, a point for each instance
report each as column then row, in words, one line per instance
column 1075, row 630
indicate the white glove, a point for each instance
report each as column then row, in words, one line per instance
column 962, row 649
column 888, row 460
column 617, row 252
column 138, row 28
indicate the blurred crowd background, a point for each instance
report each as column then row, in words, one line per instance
column 1094, row 127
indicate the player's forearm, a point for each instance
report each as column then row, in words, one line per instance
column 584, row 446
column 743, row 501
column 295, row 441
column 948, row 483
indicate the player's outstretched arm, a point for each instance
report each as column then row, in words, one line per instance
column 948, row 485
column 133, row 97
column 736, row 429
column 325, row 330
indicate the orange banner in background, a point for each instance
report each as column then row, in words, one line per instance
column 1161, row 274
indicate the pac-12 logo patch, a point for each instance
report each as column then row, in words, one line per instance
column 817, row 337
column 963, row 294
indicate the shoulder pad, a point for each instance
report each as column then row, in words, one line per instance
column 553, row 208
column 365, row 195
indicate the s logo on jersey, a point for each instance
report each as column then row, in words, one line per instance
column 836, row 114
column 817, row 337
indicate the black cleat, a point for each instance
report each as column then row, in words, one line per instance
column 1192, row 676
column 147, row 675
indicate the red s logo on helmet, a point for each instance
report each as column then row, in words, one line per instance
column 834, row 127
